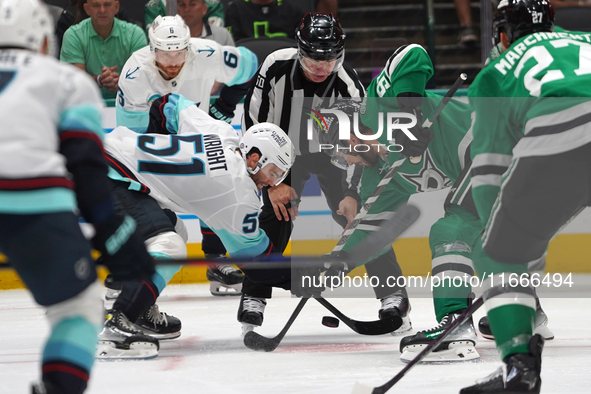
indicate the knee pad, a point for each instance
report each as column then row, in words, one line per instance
column 181, row 229
column 167, row 245
column 87, row 304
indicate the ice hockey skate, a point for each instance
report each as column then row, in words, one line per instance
column 225, row 280
column 541, row 325
column 113, row 288
column 158, row 324
column 120, row 340
column 250, row 312
column 520, row 373
column 458, row 346
column 396, row 305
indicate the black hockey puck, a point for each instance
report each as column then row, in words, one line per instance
column 330, row 321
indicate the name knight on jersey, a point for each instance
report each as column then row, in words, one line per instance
column 215, row 152
column 512, row 55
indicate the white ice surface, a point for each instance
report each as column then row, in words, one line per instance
column 209, row 357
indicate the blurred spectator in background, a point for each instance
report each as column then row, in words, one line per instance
column 569, row 3
column 72, row 14
column 152, row 9
column 262, row 18
column 193, row 13
column 468, row 36
column 101, row 44
column 215, row 15
column 327, row 6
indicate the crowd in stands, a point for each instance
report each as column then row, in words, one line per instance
column 99, row 36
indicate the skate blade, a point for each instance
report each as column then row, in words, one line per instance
column 456, row 352
column 108, row 350
column 361, row 389
column 221, row 290
column 405, row 327
column 160, row 337
column 544, row 331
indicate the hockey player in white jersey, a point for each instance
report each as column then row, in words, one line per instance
column 189, row 163
column 51, row 166
column 176, row 63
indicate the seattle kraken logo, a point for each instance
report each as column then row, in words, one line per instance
column 429, row 178
column 129, row 73
column 210, row 50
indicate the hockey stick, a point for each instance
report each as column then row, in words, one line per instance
column 395, row 166
column 392, row 228
column 376, row 327
column 429, row 121
column 362, row 389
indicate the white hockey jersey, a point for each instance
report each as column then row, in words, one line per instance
column 140, row 82
column 196, row 171
column 41, row 99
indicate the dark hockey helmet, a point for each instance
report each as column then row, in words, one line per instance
column 518, row 18
column 321, row 38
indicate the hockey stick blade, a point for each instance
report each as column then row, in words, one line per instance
column 256, row 341
column 376, row 327
column 362, row 389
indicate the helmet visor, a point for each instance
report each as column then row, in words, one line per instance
column 320, row 68
column 274, row 174
column 338, row 156
column 168, row 58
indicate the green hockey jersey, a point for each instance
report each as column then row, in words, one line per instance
column 408, row 70
column 528, row 102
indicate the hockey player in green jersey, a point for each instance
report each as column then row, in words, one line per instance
column 400, row 87
column 531, row 171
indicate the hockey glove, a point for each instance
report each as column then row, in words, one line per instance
column 336, row 271
column 122, row 249
column 305, row 282
column 221, row 111
column 410, row 103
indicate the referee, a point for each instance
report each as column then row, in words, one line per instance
column 289, row 85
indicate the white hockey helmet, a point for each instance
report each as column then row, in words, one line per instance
column 274, row 146
column 169, row 33
column 25, row 24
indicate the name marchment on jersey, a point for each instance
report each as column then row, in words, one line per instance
column 512, row 55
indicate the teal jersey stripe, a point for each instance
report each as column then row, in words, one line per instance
column 172, row 109
column 133, row 185
column 248, row 66
column 57, row 199
column 73, row 340
column 164, row 273
column 239, row 245
column 82, row 117
column 134, row 120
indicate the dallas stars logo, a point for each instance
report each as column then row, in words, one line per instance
column 429, row 178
